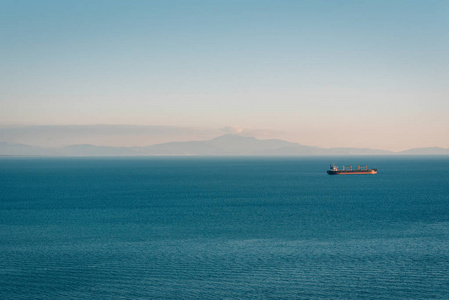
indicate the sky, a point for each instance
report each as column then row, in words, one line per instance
column 349, row 73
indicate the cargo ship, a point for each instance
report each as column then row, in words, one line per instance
column 350, row 171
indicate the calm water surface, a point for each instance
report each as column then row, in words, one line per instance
column 223, row 228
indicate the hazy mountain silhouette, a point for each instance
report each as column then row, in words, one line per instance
column 238, row 145
column 229, row 145
column 426, row 151
column 72, row 150
column 21, row 149
column 226, row 145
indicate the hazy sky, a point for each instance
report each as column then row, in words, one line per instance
column 324, row 73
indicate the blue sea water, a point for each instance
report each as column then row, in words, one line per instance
column 214, row 228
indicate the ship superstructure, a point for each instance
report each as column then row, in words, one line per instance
column 348, row 171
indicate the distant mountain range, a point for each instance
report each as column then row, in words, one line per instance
column 226, row 145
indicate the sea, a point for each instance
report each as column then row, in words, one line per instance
column 223, row 228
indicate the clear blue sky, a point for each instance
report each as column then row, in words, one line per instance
column 325, row 73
